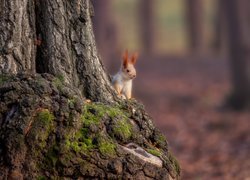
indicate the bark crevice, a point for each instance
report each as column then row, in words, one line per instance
column 54, row 37
column 66, row 47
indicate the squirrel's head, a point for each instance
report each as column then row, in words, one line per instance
column 128, row 68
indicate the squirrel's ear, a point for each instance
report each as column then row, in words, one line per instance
column 134, row 58
column 125, row 59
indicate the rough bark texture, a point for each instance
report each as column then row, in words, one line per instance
column 68, row 46
column 239, row 48
column 17, row 36
column 48, row 132
column 49, row 129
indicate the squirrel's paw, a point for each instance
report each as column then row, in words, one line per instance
column 87, row 101
column 122, row 96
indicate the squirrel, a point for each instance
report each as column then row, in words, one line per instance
column 122, row 81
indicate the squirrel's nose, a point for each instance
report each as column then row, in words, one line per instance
column 134, row 76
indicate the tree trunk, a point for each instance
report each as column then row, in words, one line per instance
column 239, row 48
column 17, row 36
column 220, row 30
column 195, row 25
column 68, row 47
column 48, row 129
column 147, row 12
column 65, row 40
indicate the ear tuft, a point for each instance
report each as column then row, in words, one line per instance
column 125, row 59
column 134, row 58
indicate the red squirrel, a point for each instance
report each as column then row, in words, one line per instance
column 122, row 81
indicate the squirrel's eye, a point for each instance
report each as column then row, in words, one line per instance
column 128, row 70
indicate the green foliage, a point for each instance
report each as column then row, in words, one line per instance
column 155, row 152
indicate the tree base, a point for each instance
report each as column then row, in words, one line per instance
column 49, row 131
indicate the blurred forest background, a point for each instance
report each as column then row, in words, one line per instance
column 193, row 75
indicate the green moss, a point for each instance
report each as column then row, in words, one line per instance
column 94, row 112
column 91, row 116
column 161, row 140
column 75, row 146
column 122, row 129
column 40, row 82
column 155, row 152
column 85, row 141
column 45, row 116
column 3, row 78
column 175, row 163
column 51, row 157
column 65, row 157
column 58, row 81
column 71, row 102
column 41, row 178
column 60, row 77
column 80, row 141
column 107, row 147
column 44, row 125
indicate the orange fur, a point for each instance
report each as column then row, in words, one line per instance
column 125, row 59
column 134, row 58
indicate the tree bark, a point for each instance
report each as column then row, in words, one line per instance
column 195, row 25
column 48, row 130
column 68, row 47
column 17, row 36
column 239, row 48
column 63, row 34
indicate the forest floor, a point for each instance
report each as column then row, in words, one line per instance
column 184, row 96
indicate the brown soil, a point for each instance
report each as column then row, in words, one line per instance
column 185, row 96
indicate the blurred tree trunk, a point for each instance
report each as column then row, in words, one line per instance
column 105, row 30
column 239, row 49
column 220, row 29
column 63, row 34
column 195, row 25
column 147, row 12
